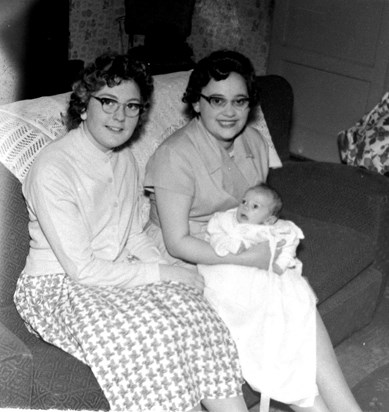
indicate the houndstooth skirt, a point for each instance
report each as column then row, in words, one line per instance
column 157, row 347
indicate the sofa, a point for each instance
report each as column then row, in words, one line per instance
column 342, row 210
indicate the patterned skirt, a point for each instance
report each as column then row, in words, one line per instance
column 157, row 347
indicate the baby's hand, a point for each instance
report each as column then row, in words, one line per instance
column 132, row 258
column 278, row 250
column 277, row 269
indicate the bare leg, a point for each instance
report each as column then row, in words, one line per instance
column 335, row 394
column 318, row 406
column 332, row 385
column 235, row 404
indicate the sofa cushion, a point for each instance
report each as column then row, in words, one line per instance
column 63, row 382
column 348, row 253
column 60, row 381
column 17, row 370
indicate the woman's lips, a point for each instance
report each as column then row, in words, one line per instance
column 227, row 123
column 115, row 129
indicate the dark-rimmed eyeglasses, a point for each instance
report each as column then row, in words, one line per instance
column 217, row 102
column 111, row 106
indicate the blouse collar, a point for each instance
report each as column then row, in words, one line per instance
column 90, row 149
column 212, row 153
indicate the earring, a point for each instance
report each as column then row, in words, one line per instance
column 83, row 116
column 196, row 107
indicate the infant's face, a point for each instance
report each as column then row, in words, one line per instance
column 255, row 208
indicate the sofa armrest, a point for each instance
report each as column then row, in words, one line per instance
column 340, row 194
column 16, row 371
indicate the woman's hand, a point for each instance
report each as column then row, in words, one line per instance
column 276, row 269
column 179, row 274
column 256, row 256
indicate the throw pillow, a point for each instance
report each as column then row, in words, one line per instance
column 366, row 144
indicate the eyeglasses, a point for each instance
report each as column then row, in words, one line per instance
column 111, row 106
column 217, row 102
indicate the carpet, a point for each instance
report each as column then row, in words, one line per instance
column 364, row 358
column 372, row 393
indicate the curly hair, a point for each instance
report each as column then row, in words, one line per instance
column 218, row 66
column 109, row 69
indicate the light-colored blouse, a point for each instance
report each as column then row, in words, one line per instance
column 83, row 207
column 192, row 163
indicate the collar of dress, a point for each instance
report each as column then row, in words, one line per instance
column 91, row 151
column 212, row 153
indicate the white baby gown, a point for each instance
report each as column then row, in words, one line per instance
column 271, row 317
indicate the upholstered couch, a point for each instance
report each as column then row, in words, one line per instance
column 342, row 210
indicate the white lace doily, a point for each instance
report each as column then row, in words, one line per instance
column 26, row 127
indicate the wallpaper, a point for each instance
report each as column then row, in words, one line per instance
column 242, row 25
column 95, row 27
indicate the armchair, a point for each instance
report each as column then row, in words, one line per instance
column 342, row 210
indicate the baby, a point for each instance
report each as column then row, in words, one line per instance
column 271, row 313
column 255, row 220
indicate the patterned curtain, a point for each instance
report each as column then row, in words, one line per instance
column 96, row 27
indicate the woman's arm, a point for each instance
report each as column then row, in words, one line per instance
column 144, row 248
column 173, row 211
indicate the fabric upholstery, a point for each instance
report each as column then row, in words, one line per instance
column 338, row 194
column 348, row 253
column 14, row 238
column 63, row 382
column 16, row 363
column 56, row 379
column 276, row 100
column 343, row 211
column 353, row 306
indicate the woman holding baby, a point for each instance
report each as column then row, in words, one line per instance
column 206, row 167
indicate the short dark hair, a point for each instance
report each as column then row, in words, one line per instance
column 109, row 69
column 218, row 66
column 264, row 187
